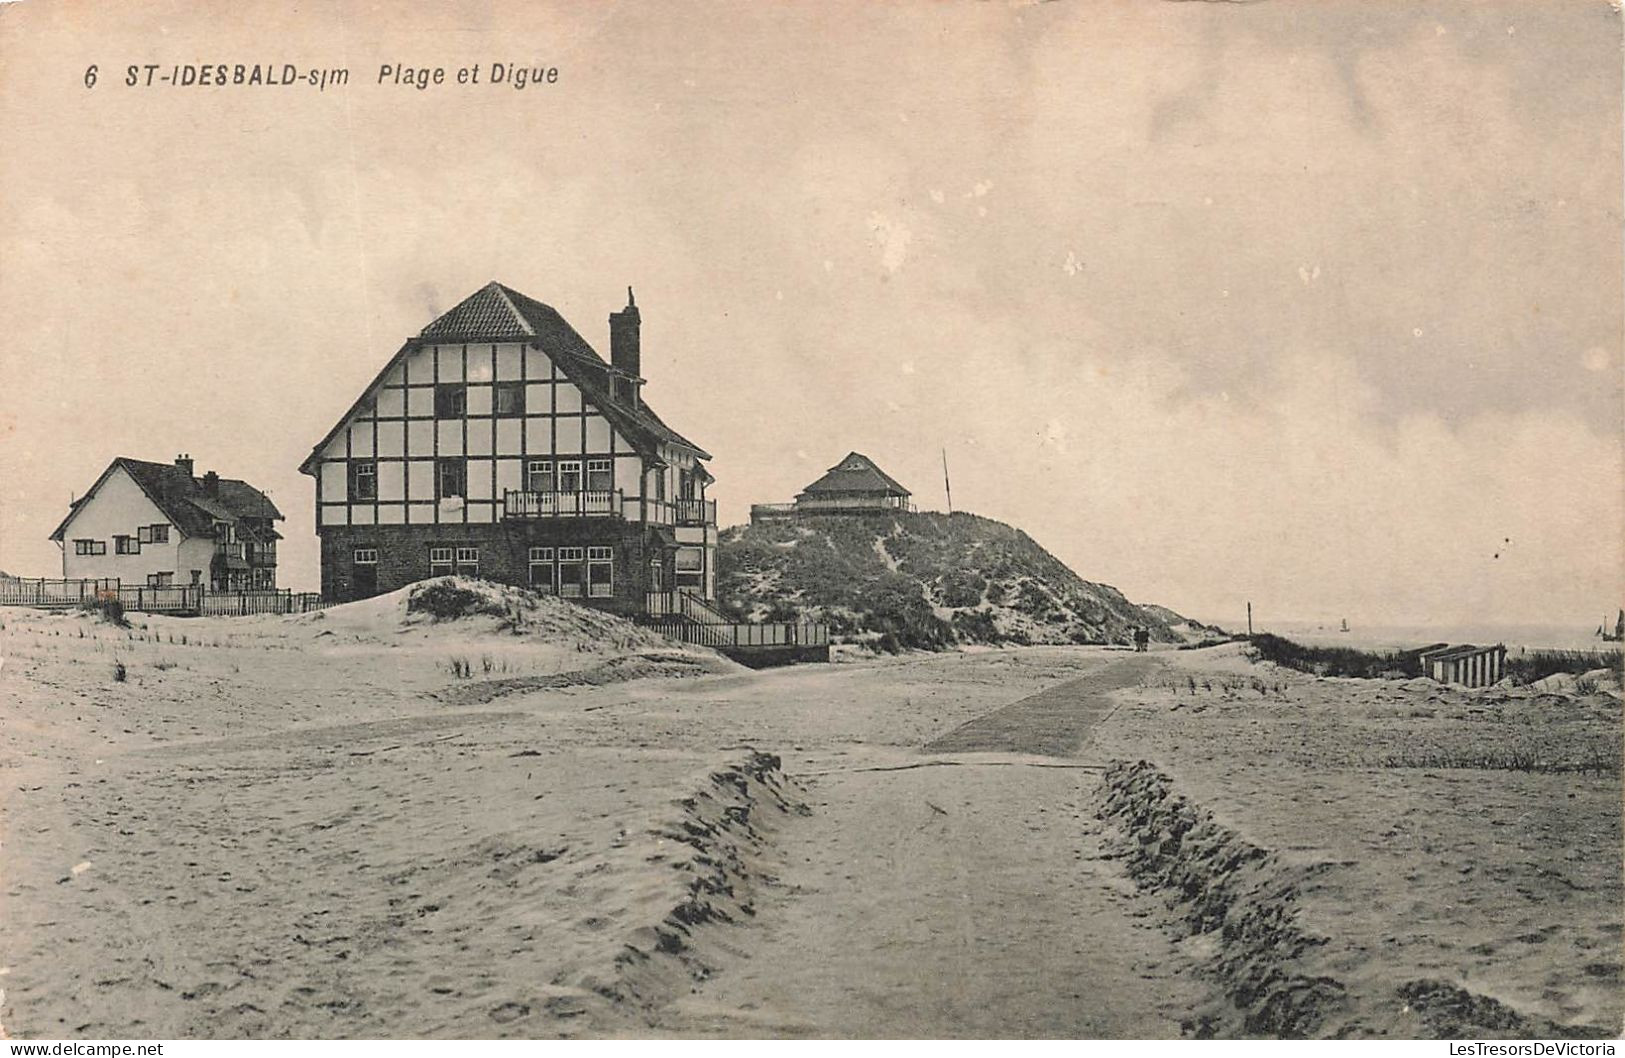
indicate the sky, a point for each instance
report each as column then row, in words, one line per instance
column 1313, row 305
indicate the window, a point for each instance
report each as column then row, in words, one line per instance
column 366, row 556
column 450, row 400
column 160, row 534
column 600, row 572
column 509, row 398
column 453, row 477
column 570, row 572
column 364, row 481
column 657, row 575
column 658, row 484
column 143, row 535
column 570, row 475
column 90, row 547
column 690, row 567
column 126, row 545
column 468, row 561
column 539, row 476
column 160, row 580
column 599, row 476
column 197, row 576
column 440, row 564
column 541, row 570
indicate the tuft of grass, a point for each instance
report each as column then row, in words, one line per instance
column 444, row 601
column 163, row 664
column 108, row 609
column 119, row 671
column 1524, row 760
column 460, row 668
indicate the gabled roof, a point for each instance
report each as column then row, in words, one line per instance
column 856, row 473
column 183, row 499
column 498, row 313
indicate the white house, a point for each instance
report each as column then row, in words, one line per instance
column 157, row 524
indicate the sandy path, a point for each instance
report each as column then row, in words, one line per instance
column 959, row 901
column 1053, row 722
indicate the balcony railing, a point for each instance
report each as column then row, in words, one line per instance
column 229, row 548
column 607, row 504
column 696, row 512
column 853, row 503
column 594, row 504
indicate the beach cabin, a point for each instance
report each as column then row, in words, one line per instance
column 1465, row 664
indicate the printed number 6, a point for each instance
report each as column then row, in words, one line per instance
column 90, row 77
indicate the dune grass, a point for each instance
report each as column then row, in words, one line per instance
column 1404, row 664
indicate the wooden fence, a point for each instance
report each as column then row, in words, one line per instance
column 188, row 600
column 51, row 594
column 744, row 636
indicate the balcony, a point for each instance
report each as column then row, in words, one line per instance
column 531, row 505
column 229, row 548
column 526, row 506
column 696, row 512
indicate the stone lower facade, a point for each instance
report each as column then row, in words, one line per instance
column 619, row 562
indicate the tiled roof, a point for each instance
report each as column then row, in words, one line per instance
column 183, row 498
column 486, row 313
column 498, row 313
column 856, row 473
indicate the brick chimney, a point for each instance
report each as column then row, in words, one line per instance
column 625, row 353
column 211, row 484
column 185, row 463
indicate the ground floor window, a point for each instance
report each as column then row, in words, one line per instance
column 440, row 561
column 690, row 568
column 264, row 577
column 468, row 561
column 600, row 572
column 572, row 574
column 160, row 580
column 541, row 570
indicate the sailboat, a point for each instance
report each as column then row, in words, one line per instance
column 1618, row 633
column 1345, row 627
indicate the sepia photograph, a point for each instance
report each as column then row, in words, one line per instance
column 811, row 520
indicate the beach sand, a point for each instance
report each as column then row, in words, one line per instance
column 310, row 827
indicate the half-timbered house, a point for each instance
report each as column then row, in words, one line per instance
column 158, row 524
column 498, row 443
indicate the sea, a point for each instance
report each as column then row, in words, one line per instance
column 1516, row 637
